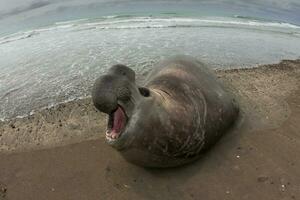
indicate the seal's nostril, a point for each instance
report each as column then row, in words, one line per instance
column 144, row 91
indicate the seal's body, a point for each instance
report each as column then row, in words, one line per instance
column 181, row 110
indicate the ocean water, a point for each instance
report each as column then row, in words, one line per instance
column 59, row 62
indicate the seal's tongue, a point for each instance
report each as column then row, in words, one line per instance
column 119, row 119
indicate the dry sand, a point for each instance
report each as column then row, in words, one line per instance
column 60, row 153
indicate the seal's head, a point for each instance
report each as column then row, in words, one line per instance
column 117, row 95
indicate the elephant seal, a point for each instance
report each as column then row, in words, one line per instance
column 180, row 111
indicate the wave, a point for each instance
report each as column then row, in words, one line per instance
column 17, row 36
column 180, row 21
column 143, row 22
column 71, row 21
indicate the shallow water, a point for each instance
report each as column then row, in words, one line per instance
column 57, row 63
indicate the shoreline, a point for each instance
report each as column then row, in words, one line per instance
column 261, row 92
column 140, row 78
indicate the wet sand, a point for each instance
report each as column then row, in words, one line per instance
column 60, row 153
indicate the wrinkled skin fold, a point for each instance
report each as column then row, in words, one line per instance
column 180, row 111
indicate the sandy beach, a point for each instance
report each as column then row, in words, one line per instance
column 60, row 152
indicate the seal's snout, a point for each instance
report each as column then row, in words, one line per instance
column 115, row 94
column 113, row 88
column 104, row 95
column 107, row 103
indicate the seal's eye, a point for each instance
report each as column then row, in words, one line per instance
column 144, row 91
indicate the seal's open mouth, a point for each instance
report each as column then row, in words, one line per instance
column 116, row 124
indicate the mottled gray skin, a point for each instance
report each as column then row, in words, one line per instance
column 186, row 112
